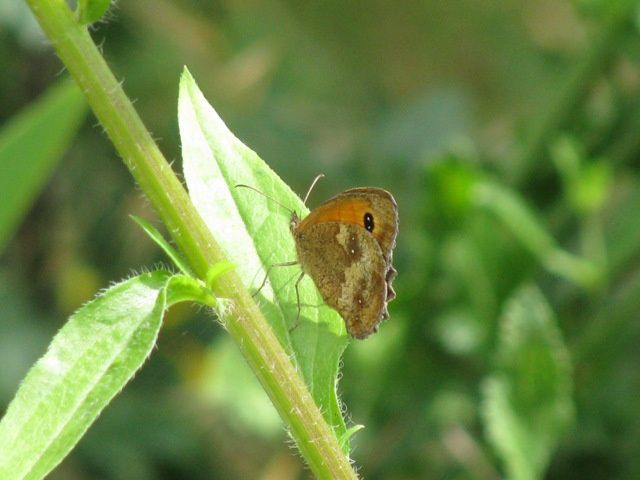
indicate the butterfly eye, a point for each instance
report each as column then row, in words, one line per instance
column 368, row 221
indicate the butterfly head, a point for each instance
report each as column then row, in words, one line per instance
column 294, row 222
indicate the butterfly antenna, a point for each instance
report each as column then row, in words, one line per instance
column 313, row 184
column 264, row 195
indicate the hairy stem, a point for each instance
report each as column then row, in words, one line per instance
column 245, row 322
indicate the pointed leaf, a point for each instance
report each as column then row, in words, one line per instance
column 254, row 232
column 164, row 245
column 88, row 362
column 90, row 11
column 527, row 401
column 31, row 144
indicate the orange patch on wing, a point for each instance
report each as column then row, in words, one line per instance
column 341, row 210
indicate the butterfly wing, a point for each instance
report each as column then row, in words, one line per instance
column 347, row 266
column 373, row 209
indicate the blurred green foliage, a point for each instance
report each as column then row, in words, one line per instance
column 507, row 132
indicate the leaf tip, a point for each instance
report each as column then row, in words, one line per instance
column 187, row 90
column 185, row 77
column 186, row 72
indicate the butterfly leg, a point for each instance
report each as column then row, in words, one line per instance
column 298, row 302
column 266, row 276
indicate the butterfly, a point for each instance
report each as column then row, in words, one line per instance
column 346, row 246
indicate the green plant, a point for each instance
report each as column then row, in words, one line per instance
column 91, row 369
column 512, row 346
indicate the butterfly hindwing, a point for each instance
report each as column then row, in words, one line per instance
column 348, row 268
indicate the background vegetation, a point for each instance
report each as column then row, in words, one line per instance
column 507, row 132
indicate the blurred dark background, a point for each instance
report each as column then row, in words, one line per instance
column 533, row 103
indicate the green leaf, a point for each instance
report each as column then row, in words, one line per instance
column 88, row 362
column 509, row 208
column 90, row 11
column 164, row 245
column 218, row 269
column 527, row 404
column 346, row 437
column 31, row 144
column 193, row 287
column 181, row 288
column 254, row 232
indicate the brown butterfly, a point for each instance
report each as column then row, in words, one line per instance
column 346, row 246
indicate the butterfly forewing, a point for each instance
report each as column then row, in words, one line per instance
column 352, row 206
column 346, row 246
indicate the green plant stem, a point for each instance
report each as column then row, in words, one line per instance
column 244, row 321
